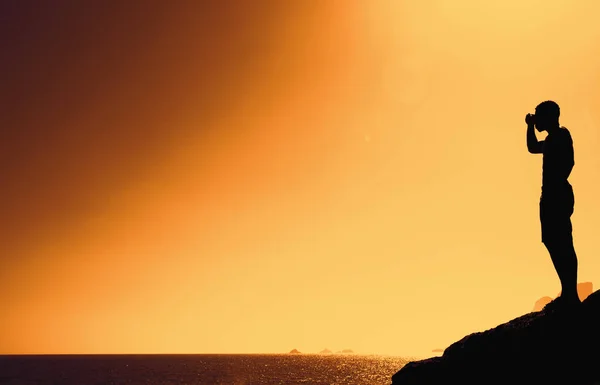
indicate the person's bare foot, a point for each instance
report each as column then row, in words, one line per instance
column 572, row 301
column 562, row 303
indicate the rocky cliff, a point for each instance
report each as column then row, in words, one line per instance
column 559, row 347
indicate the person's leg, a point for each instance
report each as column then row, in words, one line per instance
column 570, row 271
column 567, row 250
column 548, row 220
column 557, row 236
column 565, row 263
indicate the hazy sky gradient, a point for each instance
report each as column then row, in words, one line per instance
column 237, row 176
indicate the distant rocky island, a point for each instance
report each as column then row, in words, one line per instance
column 325, row 351
column 557, row 347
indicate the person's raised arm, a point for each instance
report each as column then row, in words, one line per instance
column 534, row 145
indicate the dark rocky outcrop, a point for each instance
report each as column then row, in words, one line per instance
column 559, row 347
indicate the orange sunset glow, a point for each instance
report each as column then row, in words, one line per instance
column 258, row 176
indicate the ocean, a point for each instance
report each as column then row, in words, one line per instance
column 205, row 369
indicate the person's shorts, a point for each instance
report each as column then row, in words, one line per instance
column 555, row 217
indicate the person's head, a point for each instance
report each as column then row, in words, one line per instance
column 546, row 115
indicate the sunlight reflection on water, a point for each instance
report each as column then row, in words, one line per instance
column 239, row 369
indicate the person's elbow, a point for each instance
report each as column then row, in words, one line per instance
column 535, row 147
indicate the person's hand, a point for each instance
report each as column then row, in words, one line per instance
column 530, row 119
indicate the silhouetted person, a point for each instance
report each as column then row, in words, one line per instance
column 557, row 201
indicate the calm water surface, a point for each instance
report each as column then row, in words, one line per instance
column 209, row 369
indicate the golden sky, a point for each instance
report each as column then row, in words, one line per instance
column 249, row 177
